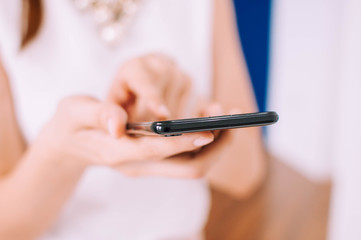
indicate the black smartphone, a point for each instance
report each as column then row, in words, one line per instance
column 179, row 126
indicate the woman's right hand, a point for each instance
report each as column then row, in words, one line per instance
column 85, row 131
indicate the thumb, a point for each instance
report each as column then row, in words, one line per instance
column 113, row 119
column 87, row 112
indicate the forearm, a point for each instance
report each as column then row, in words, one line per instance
column 242, row 167
column 12, row 144
column 33, row 194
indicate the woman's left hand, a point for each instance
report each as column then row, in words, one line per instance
column 195, row 164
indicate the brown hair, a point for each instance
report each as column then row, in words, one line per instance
column 32, row 15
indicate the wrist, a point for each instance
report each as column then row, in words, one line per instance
column 56, row 157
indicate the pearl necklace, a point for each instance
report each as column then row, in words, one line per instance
column 112, row 16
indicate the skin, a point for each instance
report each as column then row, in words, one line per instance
column 238, row 176
column 86, row 132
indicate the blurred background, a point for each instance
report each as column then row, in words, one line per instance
column 304, row 59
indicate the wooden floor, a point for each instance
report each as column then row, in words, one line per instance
column 286, row 207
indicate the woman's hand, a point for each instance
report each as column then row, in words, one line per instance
column 85, row 131
column 195, row 164
column 151, row 88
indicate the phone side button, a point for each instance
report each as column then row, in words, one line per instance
column 172, row 135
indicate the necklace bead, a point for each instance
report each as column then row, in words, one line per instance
column 111, row 16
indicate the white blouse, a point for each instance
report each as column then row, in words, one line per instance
column 69, row 58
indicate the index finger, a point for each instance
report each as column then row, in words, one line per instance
column 136, row 83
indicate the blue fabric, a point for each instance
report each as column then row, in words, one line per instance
column 253, row 19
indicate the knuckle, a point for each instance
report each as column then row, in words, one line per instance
column 70, row 104
column 131, row 65
column 187, row 82
column 160, row 62
column 65, row 104
column 71, row 100
column 135, row 72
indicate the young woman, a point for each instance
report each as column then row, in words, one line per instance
column 68, row 178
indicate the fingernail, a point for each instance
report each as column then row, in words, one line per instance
column 112, row 127
column 202, row 141
column 164, row 111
